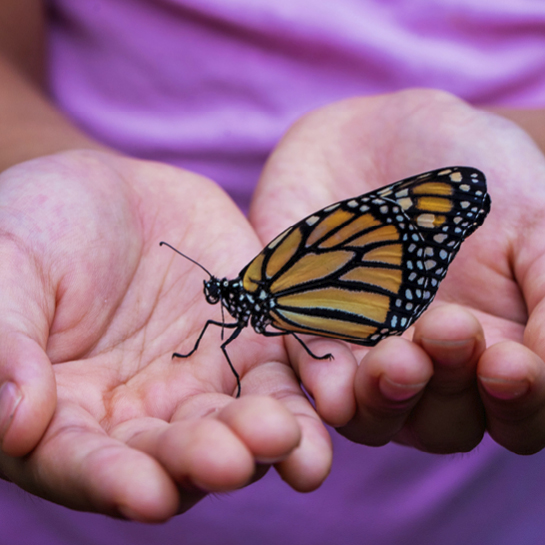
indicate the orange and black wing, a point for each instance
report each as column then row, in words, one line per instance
column 366, row 268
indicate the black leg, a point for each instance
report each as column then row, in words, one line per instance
column 309, row 352
column 235, row 334
column 307, row 349
column 210, row 322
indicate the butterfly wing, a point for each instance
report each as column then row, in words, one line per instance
column 366, row 268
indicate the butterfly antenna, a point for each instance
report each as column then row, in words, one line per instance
column 187, row 257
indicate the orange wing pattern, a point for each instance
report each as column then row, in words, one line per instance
column 367, row 267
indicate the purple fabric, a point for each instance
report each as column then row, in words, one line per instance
column 211, row 85
column 385, row 496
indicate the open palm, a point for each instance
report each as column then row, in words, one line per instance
column 442, row 391
column 92, row 311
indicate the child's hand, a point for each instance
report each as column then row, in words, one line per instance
column 92, row 310
column 441, row 392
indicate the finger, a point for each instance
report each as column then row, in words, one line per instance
column 264, row 425
column 388, row 385
column 450, row 416
column 306, row 467
column 512, row 380
column 199, row 454
column 27, row 392
column 214, row 442
column 27, row 382
column 78, row 465
column 330, row 381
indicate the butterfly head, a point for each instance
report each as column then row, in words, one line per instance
column 212, row 290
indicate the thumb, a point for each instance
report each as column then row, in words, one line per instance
column 27, row 383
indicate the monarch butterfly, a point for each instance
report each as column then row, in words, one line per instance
column 358, row 270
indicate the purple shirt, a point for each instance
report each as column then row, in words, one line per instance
column 211, row 85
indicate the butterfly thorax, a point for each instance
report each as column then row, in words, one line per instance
column 240, row 304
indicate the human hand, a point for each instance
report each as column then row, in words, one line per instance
column 92, row 311
column 440, row 392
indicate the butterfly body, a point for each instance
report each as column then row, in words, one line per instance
column 360, row 269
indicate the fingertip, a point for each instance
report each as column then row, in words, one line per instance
column 505, row 390
column 205, row 454
column 10, row 398
column 330, row 381
column 510, row 361
column 146, row 493
column 395, row 366
column 264, row 425
column 399, row 391
column 220, row 461
column 114, row 479
column 28, row 398
column 310, row 464
column 450, row 321
column 512, row 383
column 389, row 383
column 450, row 335
column 508, row 370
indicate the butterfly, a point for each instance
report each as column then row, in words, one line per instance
column 358, row 270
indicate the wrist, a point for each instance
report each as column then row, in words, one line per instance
column 30, row 126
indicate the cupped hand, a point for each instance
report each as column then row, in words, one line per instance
column 475, row 362
column 94, row 412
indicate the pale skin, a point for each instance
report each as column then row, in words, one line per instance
column 94, row 309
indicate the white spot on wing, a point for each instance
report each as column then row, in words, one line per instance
column 405, row 203
column 425, row 220
column 456, row 177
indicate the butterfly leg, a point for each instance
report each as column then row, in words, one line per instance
column 235, row 334
column 307, row 349
column 231, row 338
column 210, row 322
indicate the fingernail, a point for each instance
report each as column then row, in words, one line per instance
column 450, row 353
column 10, row 397
column 505, row 389
column 399, row 392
